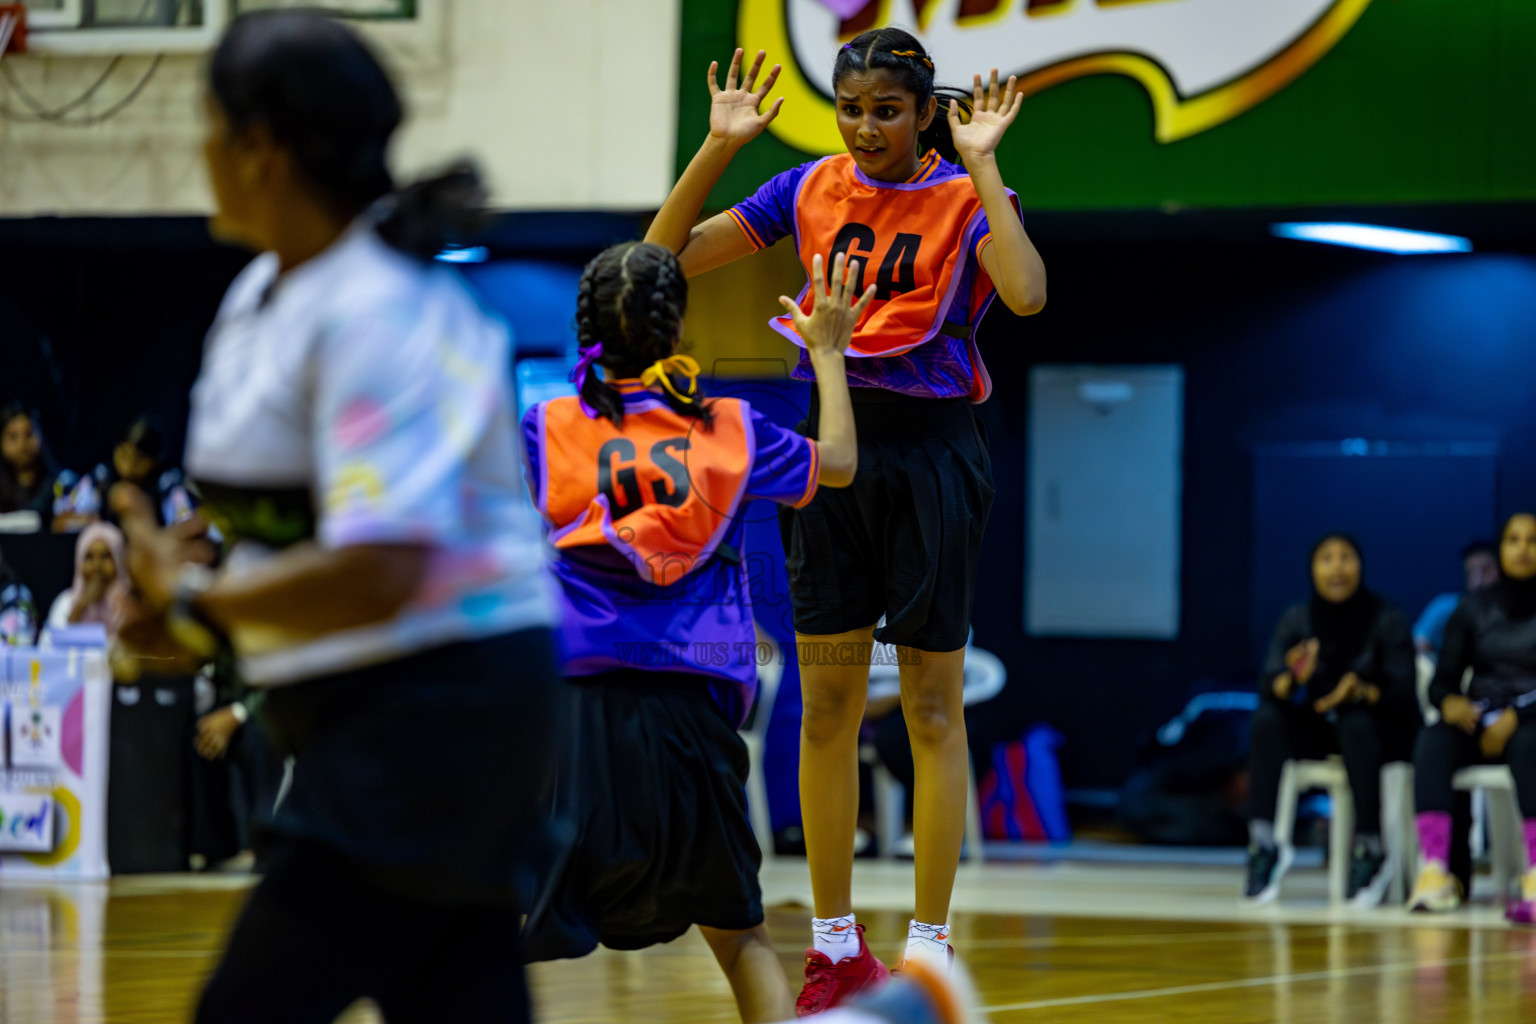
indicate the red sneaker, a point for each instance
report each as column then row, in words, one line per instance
column 828, row 984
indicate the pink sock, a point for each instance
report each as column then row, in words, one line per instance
column 1530, row 841
column 1435, row 836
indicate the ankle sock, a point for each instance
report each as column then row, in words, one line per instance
column 1261, row 834
column 835, row 938
column 928, row 942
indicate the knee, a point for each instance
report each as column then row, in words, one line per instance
column 1521, row 749
column 1435, row 746
column 931, row 721
column 829, row 713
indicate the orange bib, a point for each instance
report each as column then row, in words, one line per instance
column 911, row 240
column 662, row 490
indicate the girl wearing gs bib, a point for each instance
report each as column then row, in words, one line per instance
column 640, row 481
column 918, row 204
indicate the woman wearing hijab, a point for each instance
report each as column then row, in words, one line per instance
column 100, row 582
column 1339, row 679
column 1492, row 633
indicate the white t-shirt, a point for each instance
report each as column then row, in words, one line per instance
column 366, row 398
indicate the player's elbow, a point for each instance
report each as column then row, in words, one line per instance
column 838, row 469
column 1026, row 301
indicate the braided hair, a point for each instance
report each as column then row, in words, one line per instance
column 891, row 49
column 631, row 299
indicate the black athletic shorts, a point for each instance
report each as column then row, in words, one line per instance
column 431, row 774
column 904, row 540
column 662, row 840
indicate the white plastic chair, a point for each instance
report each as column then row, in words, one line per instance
column 769, row 674
column 1506, row 844
column 1397, row 835
column 985, row 676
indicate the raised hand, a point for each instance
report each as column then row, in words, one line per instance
column 733, row 111
column 994, row 112
column 829, row 327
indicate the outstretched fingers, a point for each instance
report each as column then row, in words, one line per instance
column 818, row 276
column 734, row 74
column 1015, row 100
column 839, row 280
column 864, row 301
column 748, row 83
column 714, row 78
column 761, row 92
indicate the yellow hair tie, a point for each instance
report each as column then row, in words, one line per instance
column 662, row 371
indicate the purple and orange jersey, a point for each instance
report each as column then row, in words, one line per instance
column 646, row 519
column 919, row 243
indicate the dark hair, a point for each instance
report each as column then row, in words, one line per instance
column 12, row 410
column 147, row 438
column 899, row 52
column 318, row 88
column 631, row 299
column 1346, row 538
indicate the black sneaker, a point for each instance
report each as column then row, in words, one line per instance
column 1266, row 866
column 1368, row 877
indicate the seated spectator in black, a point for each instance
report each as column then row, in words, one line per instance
column 1493, row 633
column 1339, row 679
column 138, row 459
column 1480, row 562
column 27, row 472
column 18, row 609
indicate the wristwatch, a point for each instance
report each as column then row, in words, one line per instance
column 182, row 620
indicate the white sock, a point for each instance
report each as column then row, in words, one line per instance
column 928, row 942
column 835, row 938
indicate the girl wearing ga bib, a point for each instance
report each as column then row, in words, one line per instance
column 917, row 205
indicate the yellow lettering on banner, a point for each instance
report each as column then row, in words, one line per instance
column 808, row 120
column 1043, row 8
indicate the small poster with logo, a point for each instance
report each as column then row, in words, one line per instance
column 55, row 707
column 26, row 823
column 36, row 736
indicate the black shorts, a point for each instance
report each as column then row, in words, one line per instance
column 431, row 774
column 662, row 840
column 904, row 540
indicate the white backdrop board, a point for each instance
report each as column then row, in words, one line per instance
column 55, row 707
column 1105, row 486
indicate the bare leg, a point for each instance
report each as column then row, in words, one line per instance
column 935, row 713
column 833, row 697
column 756, row 976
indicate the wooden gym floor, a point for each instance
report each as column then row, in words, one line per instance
column 1047, row 944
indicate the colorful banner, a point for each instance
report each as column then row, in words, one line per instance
column 1137, row 103
column 54, row 707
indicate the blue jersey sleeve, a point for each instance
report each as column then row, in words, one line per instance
column 769, row 213
column 786, row 465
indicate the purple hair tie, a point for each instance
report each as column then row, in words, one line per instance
column 589, row 355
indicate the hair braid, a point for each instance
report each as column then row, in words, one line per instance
column 632, row 298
